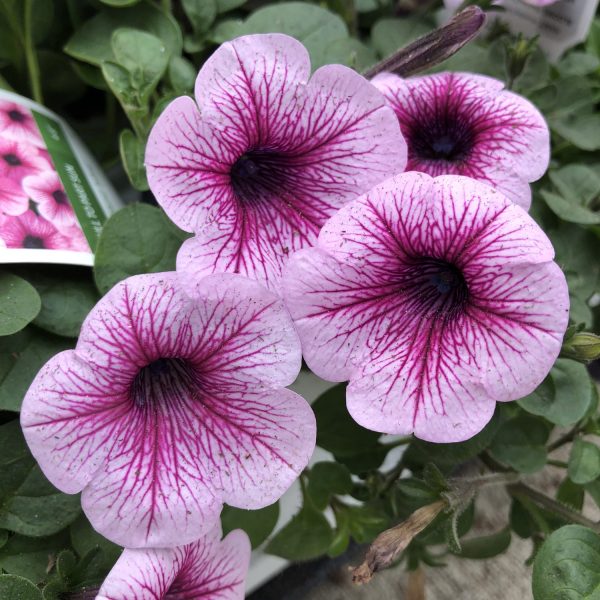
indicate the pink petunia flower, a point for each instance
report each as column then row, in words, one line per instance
column 32, row 232
column 46, row 189
column 208, row 569
column 13, row 200
column 17, row 123
column 264, row 156
column 464, row 124
column 17, row 160
column 171, row 405
column 436, row 298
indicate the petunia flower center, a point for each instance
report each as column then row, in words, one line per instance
column 15, row 115
column 435, row 288
column 448, row 139
column 162, row 382
column 12, row 159
column 59, row 197
column 258, row 174
column 33, row 242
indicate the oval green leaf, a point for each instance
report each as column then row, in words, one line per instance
column 13, row 587
column 136, row 239
column 566, row 567
column 19, row 303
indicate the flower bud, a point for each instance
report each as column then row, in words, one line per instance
column 583, row 346
column 517, row 55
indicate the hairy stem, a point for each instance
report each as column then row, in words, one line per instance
column 564, row 439
column 521, row 489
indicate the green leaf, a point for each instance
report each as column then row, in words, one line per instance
column 21, row 357
column 119, row 82
column 85, row 539
column 521, row 444
column 132, row 154
column 583, row 131
column 29, row 504
column 316, row 27
column 258, row 524
column 486, row 546
column 352, row 53
column 66, row 563
column 327, row 479
column 444, row 455
column 592, row 44
column 143, row 55
column 567, row 210
column 306, row 536
column 227, row 5
column 570, row 493
column 13, row 587
column 389, row 35
column 91, row 42
column 119, row 3
column 354, row 446
column 578, row 63
column 584, row 462
column 182, row 75
column 19, row 303
column 564, row 396
column 366, row 522
column 578, row 187
column 67, row 298
column 201, row 13
column 134, row 240
column 567, row 565
column 29, row 557
column 577, row 254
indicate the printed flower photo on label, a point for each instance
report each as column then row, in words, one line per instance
column 37, row 213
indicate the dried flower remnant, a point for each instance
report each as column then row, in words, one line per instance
column 171, row 404
column 266, row 155
column 436, row 298
column 464, row 124
column 207, row 569
column 388, row 545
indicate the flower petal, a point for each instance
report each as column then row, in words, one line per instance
column 152, row 490
column 208, row 569
column 255, row 444
column 71, row 419
column 435, row 297
column 502, row 137
column 139, row 320
column 248, row 337
column 267, row 157
column 142, row 575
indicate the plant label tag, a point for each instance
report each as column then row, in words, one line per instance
column 560, row 26
column 54, row 197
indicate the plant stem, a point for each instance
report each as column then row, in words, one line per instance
column 558, row 463
column 552, row 505
column 564, row 439
column 33, row 67
column 166, row 5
